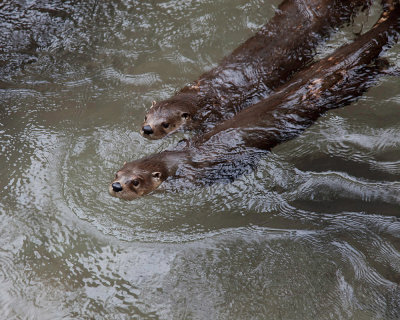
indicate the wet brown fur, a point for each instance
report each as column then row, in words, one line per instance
column 268, row 59
column 332, row 82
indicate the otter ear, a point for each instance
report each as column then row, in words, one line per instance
column 153, row 104
column 156, row 175
column 124, row 162
column 185, row 115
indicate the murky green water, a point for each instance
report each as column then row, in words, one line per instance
column 312, row 233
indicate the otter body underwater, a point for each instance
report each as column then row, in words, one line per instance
column 265, row 61
column 333, row 82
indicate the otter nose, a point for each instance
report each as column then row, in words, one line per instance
column 147, row 129
column 116, row 187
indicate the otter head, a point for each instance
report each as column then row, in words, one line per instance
column 168, row 116
column 136, row 179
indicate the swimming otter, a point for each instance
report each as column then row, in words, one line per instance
column 330, row 83
column 262, row 63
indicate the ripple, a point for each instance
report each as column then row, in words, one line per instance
column 312, row 231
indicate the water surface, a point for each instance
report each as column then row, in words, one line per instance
column 312, row 232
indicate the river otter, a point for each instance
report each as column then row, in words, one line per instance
column 262, row 63
column 330, row 83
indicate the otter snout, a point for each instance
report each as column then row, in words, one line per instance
column 147, row 130
column 116, row 186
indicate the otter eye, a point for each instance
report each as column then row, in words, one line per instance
column 135, row 182
column 185, row 115
column 165, row 125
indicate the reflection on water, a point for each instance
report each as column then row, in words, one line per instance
column 312, row 232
